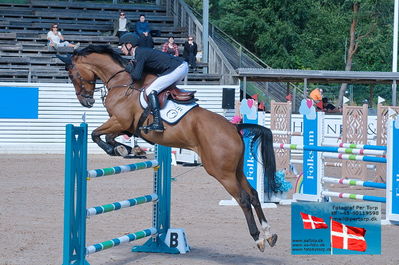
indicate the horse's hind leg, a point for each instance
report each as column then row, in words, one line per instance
column 271, row 238
column 254, row 199
column 243, row 198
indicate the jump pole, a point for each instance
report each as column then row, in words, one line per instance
column 75, row 211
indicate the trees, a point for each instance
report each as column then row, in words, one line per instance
column 367, row 15
column 311, row 34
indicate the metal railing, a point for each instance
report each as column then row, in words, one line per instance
column 217, row 62
column 241, row 57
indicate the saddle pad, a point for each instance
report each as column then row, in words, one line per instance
column 172, row 112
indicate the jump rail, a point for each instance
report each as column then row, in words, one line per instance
column 330, row 149
column 355, row 182
column 95, row 173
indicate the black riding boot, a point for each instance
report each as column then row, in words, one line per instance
column 154, row 105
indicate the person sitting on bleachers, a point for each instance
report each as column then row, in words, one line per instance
column 171, row 47
column 143, row 30
column 55, row 39
column 190, row 53
column 328, row 107
column 122, row 25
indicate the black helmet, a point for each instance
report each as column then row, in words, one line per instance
column 131, row 38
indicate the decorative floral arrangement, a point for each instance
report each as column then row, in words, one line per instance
column 236, row 120
column 281, row 184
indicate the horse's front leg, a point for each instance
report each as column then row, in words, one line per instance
column 119, row 148
column 110, row 127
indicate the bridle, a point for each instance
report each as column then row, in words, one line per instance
column 104, row 88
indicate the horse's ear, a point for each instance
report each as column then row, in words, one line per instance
column 66, row 59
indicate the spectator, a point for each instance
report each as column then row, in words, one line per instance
column 190, row 53
column 55, row 39
column 171, row 47
column 143, row 30
column 121, row 25
column 316, row 94
column 328, row 107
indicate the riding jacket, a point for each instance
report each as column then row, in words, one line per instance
column 153, row 61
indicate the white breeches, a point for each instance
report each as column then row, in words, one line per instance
column 164, row 81
column 63, row 44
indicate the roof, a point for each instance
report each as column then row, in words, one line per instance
column 316, row 76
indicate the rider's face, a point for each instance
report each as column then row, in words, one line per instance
column 124, row 49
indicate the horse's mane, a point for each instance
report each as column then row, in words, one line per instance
column 103, row 49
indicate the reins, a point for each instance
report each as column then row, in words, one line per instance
column 104, row 89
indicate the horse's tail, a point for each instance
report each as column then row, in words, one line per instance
column 263, row 136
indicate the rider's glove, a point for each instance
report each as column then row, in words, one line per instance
column 130, row 67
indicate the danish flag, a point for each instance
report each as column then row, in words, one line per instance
column 312, row 222
column 347, row 237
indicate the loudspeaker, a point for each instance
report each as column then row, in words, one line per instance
column 228, row 98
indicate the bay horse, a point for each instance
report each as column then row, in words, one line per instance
column 218, row 142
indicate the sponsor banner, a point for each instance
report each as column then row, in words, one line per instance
column 19, row 102
column 333, row 228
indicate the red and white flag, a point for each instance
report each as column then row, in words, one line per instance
column 347, row 237
column 312, row 222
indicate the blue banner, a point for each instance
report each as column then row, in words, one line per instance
column 310, row 157
column 395, row 168
column 19, row 102
column 250, row 164
column 249, row 110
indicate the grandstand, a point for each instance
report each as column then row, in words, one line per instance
column 25, row 56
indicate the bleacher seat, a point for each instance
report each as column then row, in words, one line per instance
column 25, row 56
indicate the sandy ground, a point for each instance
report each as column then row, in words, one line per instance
column 31, row 218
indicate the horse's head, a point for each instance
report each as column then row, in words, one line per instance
column 83, row 79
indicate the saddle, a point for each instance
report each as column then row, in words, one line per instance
column 184, row 98
column 175, row 94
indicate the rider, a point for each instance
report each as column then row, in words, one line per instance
column 168, row 68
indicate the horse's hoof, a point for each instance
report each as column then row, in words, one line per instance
column 261, row 244
column 272, row 240
column 121, row 150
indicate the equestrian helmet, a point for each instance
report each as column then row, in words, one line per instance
column 131, row 38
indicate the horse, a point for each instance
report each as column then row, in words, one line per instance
column 218, row 142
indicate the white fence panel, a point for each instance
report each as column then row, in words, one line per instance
column 58, row 106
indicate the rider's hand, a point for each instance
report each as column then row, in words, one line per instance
column 130, row 67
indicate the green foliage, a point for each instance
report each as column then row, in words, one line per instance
column 310, row 34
